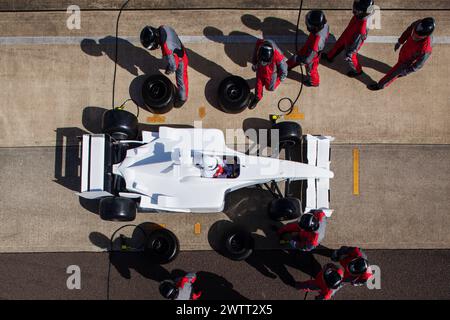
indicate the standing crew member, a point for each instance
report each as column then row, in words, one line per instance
column 416, row 43
column 307, row 233
column 180, row 289
column 354, row 261
column 328, row 281
column 173, row 52
column 309, row 54
column 270, row 66
column 353, row 37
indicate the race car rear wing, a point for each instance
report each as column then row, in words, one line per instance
column 96, row 166
column 318, row 190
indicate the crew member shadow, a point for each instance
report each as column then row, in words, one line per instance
column 340, row 65
column 215, row 73
column 240, row 46
column 136, row 60
column 248, row 209
column 212, row 286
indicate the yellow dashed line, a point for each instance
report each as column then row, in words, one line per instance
column 197, row 228
column 156, row 119
column 356, row 172
column 295, row 115
column 202, row 112
column 162, row 225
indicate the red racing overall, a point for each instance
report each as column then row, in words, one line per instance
column 347, row 255
column 185, row 287
column 319, row 284
column 270, row 75
column 309, row 54
column 177, row 61
column 412, row 57
column 351, row 40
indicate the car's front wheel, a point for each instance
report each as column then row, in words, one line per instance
column 117, row 209
column 120, row 124
column 289, row 133
column 285, row 209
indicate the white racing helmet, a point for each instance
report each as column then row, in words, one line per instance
column 210, row 163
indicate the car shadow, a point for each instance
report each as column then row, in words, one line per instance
column 248, row 209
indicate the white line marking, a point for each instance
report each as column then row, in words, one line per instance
column 64, row 40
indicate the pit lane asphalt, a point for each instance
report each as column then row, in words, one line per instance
column 405, row 274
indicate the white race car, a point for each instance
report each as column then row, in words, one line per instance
column 190, row 170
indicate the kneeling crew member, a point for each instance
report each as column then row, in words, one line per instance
column 354, row 261
column 270, row 66
column 174, row 53
column 180, row 289
column 309, row 54
column 307, row 233
column 328, row 281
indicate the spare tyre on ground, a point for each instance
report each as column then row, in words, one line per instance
column 237, row 243
column 162, row 246
column 158, row 93
column 234, row 94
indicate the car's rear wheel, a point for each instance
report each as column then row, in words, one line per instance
column 162, row 246
column 238, row 244
column 117, row 209
column 158, row 93
column 120, row 124
column 285, row 209
column 234, row 94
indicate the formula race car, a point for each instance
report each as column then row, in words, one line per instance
column 191, row 170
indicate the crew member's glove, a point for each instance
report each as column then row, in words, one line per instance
column 334, row 256
column 254, row 67
column 282, row 78
column 397, row 46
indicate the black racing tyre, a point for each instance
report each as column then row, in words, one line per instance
column 289, row 132
column 238, row 244
column 234, row 94
column 158, row 93
column 120, row 124
column 285, row 209
column 117, row 209
column 162, row 246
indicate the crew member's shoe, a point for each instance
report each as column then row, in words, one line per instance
column 374, row 87
column 353, row 74
column 324, row 56
column 307, row 83
column 253, row 103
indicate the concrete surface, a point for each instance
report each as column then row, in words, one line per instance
column 50, row 5
column 405, row 274
column 48, row 86
column 403, row 203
